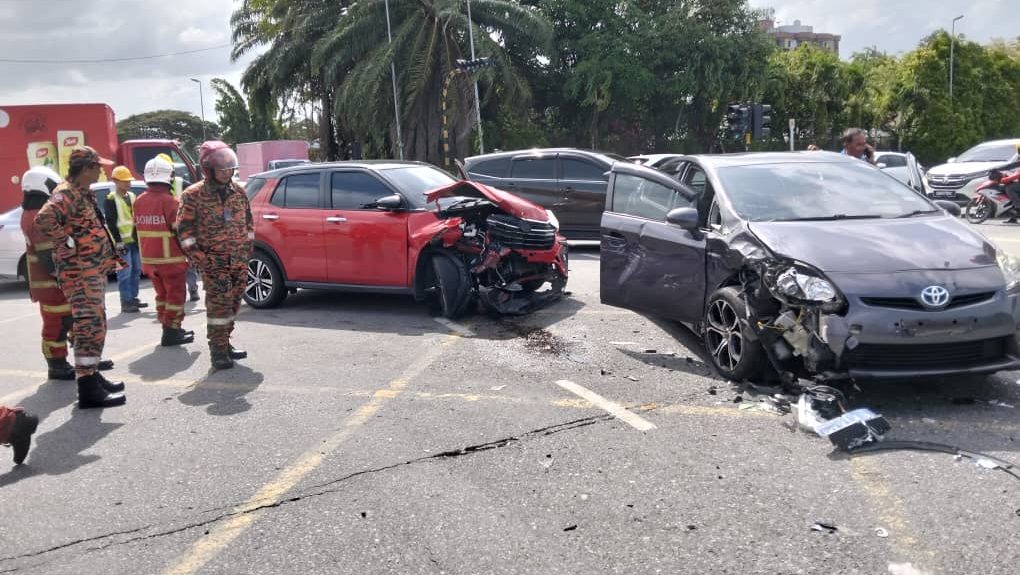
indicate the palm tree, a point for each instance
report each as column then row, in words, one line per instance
column 290, row 29
column 240, row 121
column 428, row 37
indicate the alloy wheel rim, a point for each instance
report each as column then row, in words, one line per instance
column 723, row 335
column 260, row 281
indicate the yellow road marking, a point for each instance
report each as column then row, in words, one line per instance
column 206, row 548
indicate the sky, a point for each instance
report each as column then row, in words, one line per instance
column 65, row 30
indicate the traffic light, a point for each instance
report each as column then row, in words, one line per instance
column 761, row 118
column 738, row 120
column 474, row 65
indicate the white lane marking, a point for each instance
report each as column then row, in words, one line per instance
column 613, row 408
column 455, row 327
column 20, row 317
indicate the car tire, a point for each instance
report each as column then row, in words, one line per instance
column 23, row 272
column 452, row 285
column 977, row 210
column 731, row 347
column 265, row 287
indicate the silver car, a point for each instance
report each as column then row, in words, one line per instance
column 12, row 245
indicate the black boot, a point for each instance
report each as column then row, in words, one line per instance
column 21, row 435
column 105, row 365
column 110, row 386
column 91, row 393
column 235, row 353
column 129, row 307
column 221, row 360
column 176, row 336
column 60, row 369
column 140, row 304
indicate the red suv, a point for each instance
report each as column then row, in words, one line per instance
column 403, row 227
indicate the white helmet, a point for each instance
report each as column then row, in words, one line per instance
column 40, row 179
column 158, row 170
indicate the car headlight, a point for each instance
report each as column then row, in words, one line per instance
column 552, row 220
column 1010, row 267
column 800, row 284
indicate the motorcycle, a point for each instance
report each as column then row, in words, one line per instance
column 991, row 200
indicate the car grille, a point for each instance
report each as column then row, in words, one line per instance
column 948, row 183
column 925, row 356
column 914, row 304
column 521, row 234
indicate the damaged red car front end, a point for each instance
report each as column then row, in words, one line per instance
column 496, row 249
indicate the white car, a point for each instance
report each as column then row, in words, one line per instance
column 896, row 165
column 958, row 178
column 12, row 245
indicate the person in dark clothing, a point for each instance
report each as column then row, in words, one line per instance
column 1012, row 190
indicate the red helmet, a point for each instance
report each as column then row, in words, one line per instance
column 216, row 155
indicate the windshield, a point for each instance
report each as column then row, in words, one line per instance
column 818, row 191
column 988, row 153
column 415, row 181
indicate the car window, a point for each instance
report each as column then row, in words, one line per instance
column 672, row 166
column 496, row 167
column 575, row 169
column 297, row 191
column 416, row 181
column 354, row 190
column 253, row 187
column 891, row 161
column 818, row 191
column 988, row 153
column 534, row 168
column 636, row 196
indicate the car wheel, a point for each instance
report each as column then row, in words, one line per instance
column 978, row 210
column 265, row 286
column 23, row 272
column 452, row 285
column 734, row 351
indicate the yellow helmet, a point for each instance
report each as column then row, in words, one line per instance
column 165, row 156
column 122, row 173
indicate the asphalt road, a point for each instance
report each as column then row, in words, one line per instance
column 364, row 436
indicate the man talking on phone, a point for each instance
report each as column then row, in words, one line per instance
column 855, row 145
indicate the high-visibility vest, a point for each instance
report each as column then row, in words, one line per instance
column 125, row 219
column 177, row 187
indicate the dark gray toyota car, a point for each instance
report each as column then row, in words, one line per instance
column 810, row 265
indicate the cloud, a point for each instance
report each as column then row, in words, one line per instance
column 193, row 36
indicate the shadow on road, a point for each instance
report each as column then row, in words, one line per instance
column 163, row 362
column 224, row 392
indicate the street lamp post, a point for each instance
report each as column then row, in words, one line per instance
column 952, row 50
column 201, row 103
column 478, row 106
column 393, row 75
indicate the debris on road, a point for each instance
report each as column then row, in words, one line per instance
column 854, row 429
column 998, row 403
column 632, row 378
column 497, row 388
column 981, row 459
column 571, row 528
column 824, row 527
column 881, row 532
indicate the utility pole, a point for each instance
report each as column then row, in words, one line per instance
column 201, row 102
column 793, row 124
column 952, row 50
column 393, row 75
column 478, row 106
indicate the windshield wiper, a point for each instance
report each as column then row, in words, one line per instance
column 834, row 217
column 917, row 213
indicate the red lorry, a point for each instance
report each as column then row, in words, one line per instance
column 44, row 134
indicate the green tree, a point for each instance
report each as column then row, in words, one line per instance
column 428, row 37
column 812, row 86
column 240, row 121
column 167, row 124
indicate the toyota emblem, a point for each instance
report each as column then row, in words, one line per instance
column 935, row 296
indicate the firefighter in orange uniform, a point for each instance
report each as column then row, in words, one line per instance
column 217, row 232
column 162, row 259
column 83, row 257
column 37, row 184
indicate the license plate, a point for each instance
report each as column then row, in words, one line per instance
column 945, row 194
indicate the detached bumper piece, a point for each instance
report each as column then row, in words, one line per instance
column 854, row 429
column 506, row 302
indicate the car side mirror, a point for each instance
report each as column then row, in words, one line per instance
column 951, row 160
column 952, row 207
column 881, row 165
column 686, row 218
column 394, row 202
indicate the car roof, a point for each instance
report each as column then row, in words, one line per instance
column 998, row 142
column 364, row 164
column 539, row 151
column 762, row 158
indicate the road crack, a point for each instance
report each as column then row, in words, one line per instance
column 326, row 488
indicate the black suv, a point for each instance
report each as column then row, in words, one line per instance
column 569, row 182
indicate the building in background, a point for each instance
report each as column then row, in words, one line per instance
column 789, row 37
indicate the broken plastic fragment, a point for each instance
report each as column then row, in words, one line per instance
column 824, row 527
column 881, row 532
column 987, row 463
column 497, row 387
column 854, row 429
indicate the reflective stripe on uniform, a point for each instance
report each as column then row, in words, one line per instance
column 55, row 343
column 187, row 243
column 33, row 259
column 219, row 320
column 171, row 260
column 43, row 246
column 151, row 234
column 42, row 284
column 64, row 308
column 171, row 307
column 86, row 361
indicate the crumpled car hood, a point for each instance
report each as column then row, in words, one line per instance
column 878, row 246
column 509, row 203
